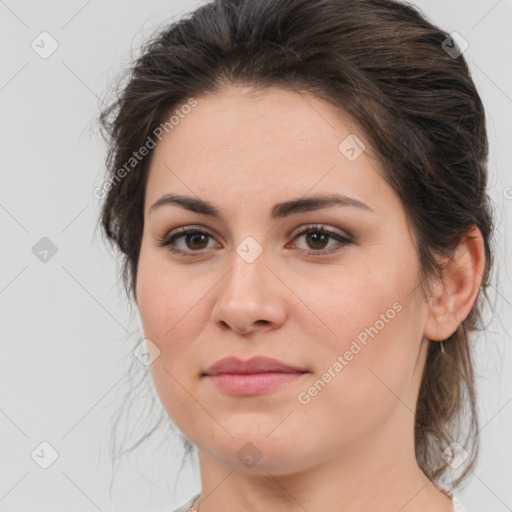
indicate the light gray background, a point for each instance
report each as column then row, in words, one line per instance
column 68, row 334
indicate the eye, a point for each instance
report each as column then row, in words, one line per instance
column 317, row 237
column 194, row 238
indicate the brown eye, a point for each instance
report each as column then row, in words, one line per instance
column 195, row 241
column 317, row 238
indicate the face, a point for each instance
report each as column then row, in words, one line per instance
column 339, row 303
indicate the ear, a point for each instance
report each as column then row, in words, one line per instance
column 454, row 296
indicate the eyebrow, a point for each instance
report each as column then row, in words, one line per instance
column 279, row 210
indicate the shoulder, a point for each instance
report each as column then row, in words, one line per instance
column 458, row 506
column 187, row 505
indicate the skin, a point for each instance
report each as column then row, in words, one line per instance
column 351, row 447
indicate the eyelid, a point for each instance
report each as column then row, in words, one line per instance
column 339, row 236
column 324, row 228
column 184, row 230
column 334, row 234
column 295, row 233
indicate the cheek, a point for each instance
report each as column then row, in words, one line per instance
column 371, row 358
column 168, row 300
column 168, row 308
column 172, row 309
column 361, row 304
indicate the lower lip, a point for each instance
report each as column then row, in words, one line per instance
column 252, row 383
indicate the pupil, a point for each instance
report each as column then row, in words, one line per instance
column 322, row 236
column 194, row 236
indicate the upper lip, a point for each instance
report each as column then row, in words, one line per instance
column 256, row 364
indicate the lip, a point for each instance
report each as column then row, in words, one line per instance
column 257, row 364
column 254, row 376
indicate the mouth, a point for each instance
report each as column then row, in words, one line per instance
column 252, row 383
column 254, row 376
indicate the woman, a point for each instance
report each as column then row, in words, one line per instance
column 298, row 190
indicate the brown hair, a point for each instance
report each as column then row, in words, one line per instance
column 385, row 65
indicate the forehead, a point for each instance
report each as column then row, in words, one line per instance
column 238, row 145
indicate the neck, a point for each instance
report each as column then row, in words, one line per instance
column 378, row 474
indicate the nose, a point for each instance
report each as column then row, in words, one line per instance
column 249, row 297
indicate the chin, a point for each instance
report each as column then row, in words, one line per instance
column 260, row 453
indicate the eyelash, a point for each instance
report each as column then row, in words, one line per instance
column 181, row 232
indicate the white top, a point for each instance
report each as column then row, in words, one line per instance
column 457, row 504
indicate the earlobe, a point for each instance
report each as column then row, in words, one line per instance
column 453, row 297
